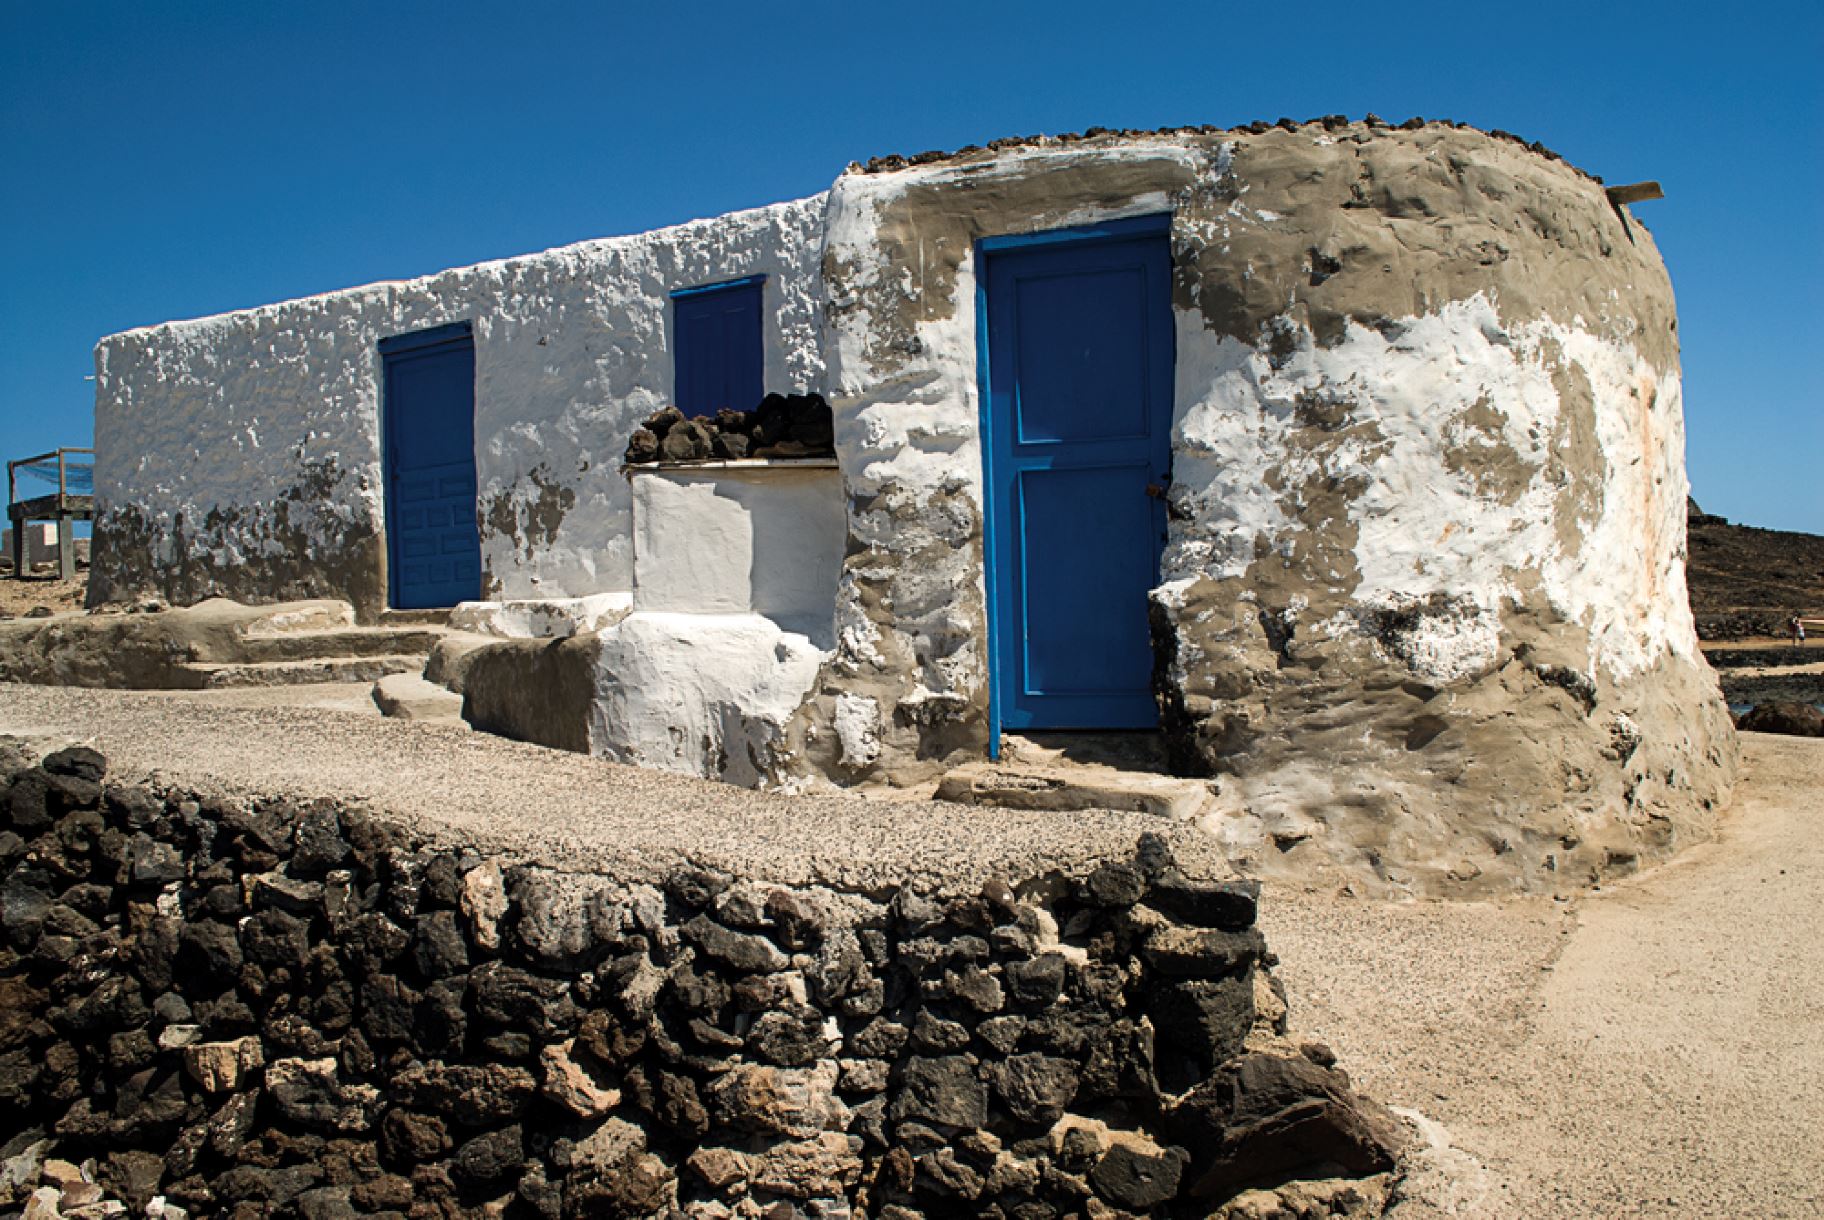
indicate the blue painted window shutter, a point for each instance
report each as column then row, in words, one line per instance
column 717, row 357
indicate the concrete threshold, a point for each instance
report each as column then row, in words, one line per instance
column 1078, row 771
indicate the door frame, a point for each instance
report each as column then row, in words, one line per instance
column 1126, row 229
column 452, row 334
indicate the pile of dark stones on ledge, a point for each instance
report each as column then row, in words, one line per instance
column 263, row 1007
column 782, row 426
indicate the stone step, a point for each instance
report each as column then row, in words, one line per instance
column 415, row 618
column 216, row 676
column 345, row 644
column 1066, row 787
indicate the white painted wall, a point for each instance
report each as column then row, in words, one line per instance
column 761, row 539
column 1425, row 524
column 572, row 350
column 700, row 694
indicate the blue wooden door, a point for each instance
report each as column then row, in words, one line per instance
column 1078, row 417
column 717, row 347
column 432, row 542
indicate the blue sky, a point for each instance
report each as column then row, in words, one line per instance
column 179, row 159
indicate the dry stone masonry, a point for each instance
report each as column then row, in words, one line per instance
column 258, row 1007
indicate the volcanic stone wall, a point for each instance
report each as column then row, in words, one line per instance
column 262, row 1008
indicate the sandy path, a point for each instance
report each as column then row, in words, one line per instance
column 1654, row 1049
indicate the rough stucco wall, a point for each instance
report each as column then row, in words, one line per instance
column 1423, row 604
column 907, row 688
column 240, row 455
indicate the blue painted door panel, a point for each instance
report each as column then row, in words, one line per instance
column 716, row 332
column 1079, row 389
column 433, row 543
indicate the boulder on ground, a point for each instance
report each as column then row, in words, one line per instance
column 1793, row 719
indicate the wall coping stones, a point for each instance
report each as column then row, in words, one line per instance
column 571, row 813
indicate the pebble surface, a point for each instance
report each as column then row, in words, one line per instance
column 573, row 812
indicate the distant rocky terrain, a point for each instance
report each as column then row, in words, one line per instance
column 1746, row 581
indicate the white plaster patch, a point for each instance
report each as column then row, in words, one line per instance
column 700, row 694
column 858, row 730
column 1425, row 524
column 720, row 541
column 556, row 618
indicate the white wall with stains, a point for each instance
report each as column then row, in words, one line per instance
column 234, row 443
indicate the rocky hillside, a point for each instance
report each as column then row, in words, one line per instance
column 1746, row 581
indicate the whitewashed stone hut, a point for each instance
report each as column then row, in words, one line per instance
column 1349, row 456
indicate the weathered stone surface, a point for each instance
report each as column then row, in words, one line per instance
column 490, row 1157
column 483, row 902
column 224, row 1067
column 571, row 1086
column 791, row 1038
column 1201, row 952
column 784, row 1101
column 1265, row 1116
column 408, row 1137
column 308, row 1092
column 823, row 1166
column 946, row 1091
column 1138, row 1179
column 719, row 1168
column 1035, row 1088
column 742, row 950
column 471, row 1094
column 1791, row 718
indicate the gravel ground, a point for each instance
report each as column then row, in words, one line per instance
column 571, row 811
column 1652, row 1049
column 1655, row 1048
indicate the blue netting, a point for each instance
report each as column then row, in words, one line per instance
column 78, row 476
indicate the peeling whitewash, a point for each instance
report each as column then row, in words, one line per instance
column 221, row 418
column 1421, row 613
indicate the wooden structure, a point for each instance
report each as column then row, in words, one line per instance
column 68, row 505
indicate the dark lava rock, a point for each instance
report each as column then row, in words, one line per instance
column 1036, row 981
column 320, row 845
column 78, row 761
column 29, row 802
column 1229, row 905
column 695, row 887
column 642, row 446
column 515, row 999
column 945, row 1091
column 1035, row 1088
column 489, row 1158
column 1792, row 719
column 1132, row 1179
column 276, row 940
column 438, row 949
column 879, row 1039
column 1267, row 1117
column 409, row 1138
column 1200, row 1023
column 790, row 1038
column 742, row 950
column 1115, row 885
column 474, row 1095
column 799, row 925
